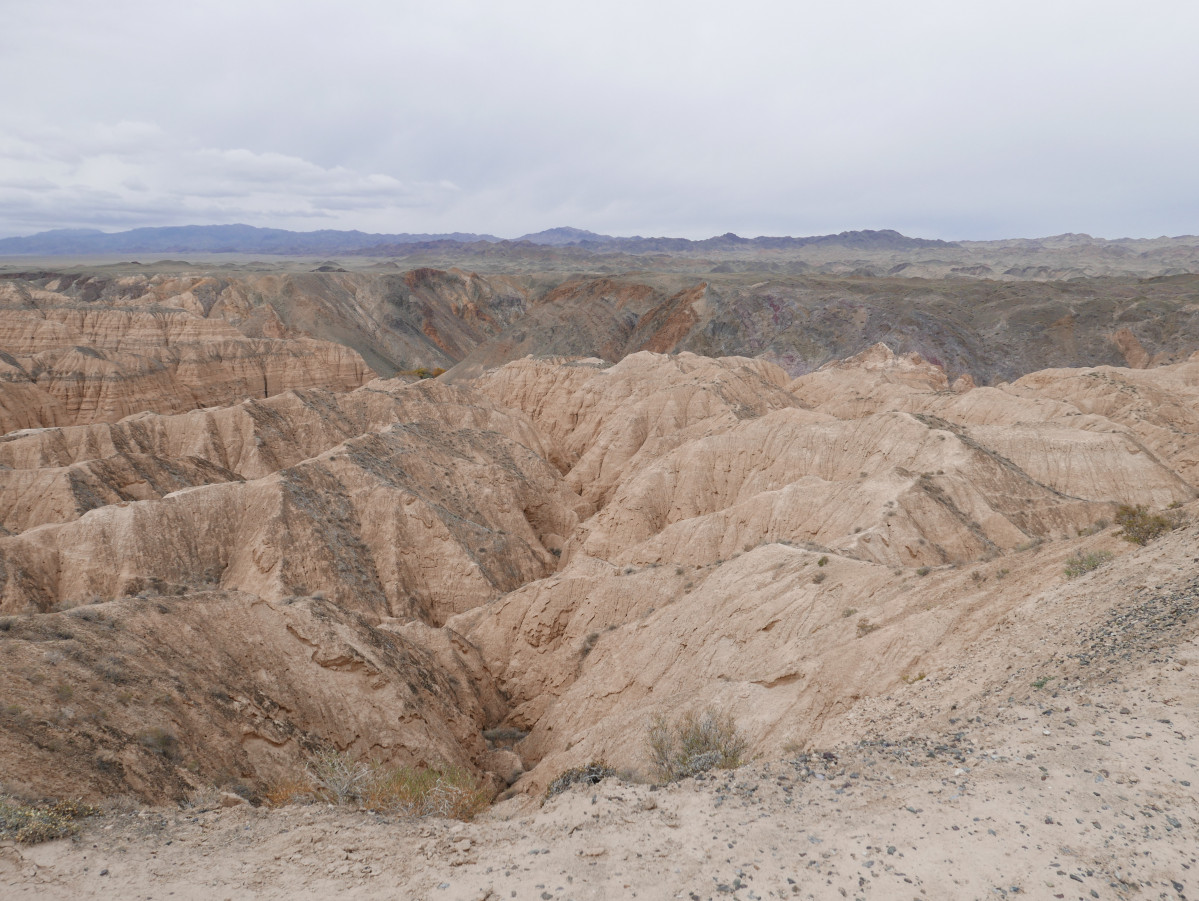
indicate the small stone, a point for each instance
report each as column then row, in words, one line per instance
column 229, row 799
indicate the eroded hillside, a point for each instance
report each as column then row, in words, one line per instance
column 561, row 547
column 99, row 344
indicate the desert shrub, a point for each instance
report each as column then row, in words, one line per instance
column 1139, row 526
column 205, row 798
column 338, row 778
column 504, row 734
column 33, row 823
column 450, row 792
column 335, row 777
column 592, row 774
column 160, row 741
column 819, row 577
column 589, row 643
column 1081, row 564
column 823, row 561
column 694, row 743
column 923, row 570
column 865, row 627
column 290, row 789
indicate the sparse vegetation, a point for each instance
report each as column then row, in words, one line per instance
column 865, row 627
column 1139, row 526
column 823, row 561
column 160, row 741
column 694, row 743
column 33, row 823
column 923, row 570
column 337, row 778
column 819, row 577
column 1081, row 564
column 591, row 774
column 450, row 792
column 589, row 643
column 506, row 734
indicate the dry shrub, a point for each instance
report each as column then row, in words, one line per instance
column 1081, row 564
column 694, row 743
column 337, row 778
column 1139, row 526
column 290, row 789
column 450, row 792
column 865, row 627
column 33, row 823
column 592, row 774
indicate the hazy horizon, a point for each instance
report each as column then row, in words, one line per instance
column 483, row 235
column 935, row 119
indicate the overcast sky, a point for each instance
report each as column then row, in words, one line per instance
column 940, row 119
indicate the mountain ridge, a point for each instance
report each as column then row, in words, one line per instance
column 240, row 238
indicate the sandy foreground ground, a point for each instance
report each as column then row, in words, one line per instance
column 1083, row 793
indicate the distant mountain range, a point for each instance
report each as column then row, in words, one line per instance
column 249, row 239
column 213, row 239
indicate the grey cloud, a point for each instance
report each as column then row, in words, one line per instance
column 950, row 119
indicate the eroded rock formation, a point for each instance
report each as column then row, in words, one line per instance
column 562, row 546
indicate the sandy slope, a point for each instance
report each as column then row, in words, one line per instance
column 972, row 783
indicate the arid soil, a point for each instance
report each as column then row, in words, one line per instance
column 907, row 588
column 1083, row 788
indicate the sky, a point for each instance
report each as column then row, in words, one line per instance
column 956, row 120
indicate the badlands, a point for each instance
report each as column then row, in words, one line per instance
column 871, row 521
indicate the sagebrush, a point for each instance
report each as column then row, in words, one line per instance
column 694, row 743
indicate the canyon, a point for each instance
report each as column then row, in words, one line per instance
column 502, row 521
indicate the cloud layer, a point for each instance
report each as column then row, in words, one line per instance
column 940, row 119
